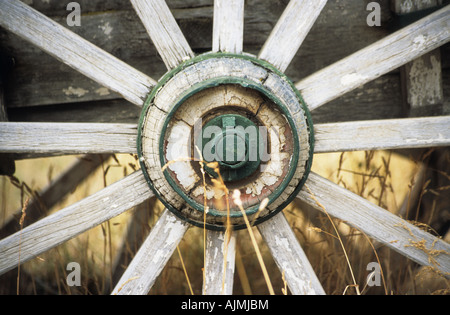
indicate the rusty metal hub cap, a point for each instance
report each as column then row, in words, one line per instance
column 220, row 123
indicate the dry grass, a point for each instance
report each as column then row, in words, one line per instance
column 338, row 253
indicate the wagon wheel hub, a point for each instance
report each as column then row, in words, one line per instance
column 223, row 122
column 235, row 143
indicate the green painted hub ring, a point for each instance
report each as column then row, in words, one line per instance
column 212, row 83
column 236, row 148
column 247, row 84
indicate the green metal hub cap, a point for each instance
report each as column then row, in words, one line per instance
column 220, row 123
column 235, row 146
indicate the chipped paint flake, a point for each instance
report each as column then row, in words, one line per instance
column 78, row 92
column 210, row 193
column 419, row 41
column 439, row 139
column 102, row 91
column 178, row 150
column 350, row 79
column 107, row 29
column 283, row 243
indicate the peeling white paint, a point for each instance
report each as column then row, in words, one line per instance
column 157, row 256
column 283, row 242
column 178, row 150
column 107, row 29
column 350, row 79
column 102, row 91
column 78, row 92
column 210, row 193
column 439, row 139
column 419, row 41
column 424, row 82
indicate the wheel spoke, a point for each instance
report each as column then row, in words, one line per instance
column 377, row 223
column 290, row 32
column 75, row 51
column 73, row 220
column 219, row 271
column 376, row 60
column 228, row 28
column 383, row 134
column 153, row 255
column 67, row 138
column 164, row 31
column 290, row 257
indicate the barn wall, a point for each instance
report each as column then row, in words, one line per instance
column 41, row 88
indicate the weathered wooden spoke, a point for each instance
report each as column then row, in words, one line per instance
column 228, row 28
column 219, row 263
column 290, row 32
column 73, row 220
column 383, row 134
column 67, row 138
column 220, row 251
column 164, row 31
column 377, row 59
column 153, row 255
column 377, row 223
column 75, row 51
column 290, row 257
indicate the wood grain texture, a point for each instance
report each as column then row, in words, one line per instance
column 290, row 257
column 383, row 134
column 377, row 59
column 164, row 31
column 75, row 51
column 379, row 224
column 7, row 163
column 67, row 138
column 422, row 84
column 422, row 80
column 219, row 271
column 153, row 255
column 73, row 220
column 228, row 26
column 290, row 32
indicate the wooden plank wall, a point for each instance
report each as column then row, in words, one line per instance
column 43, row 89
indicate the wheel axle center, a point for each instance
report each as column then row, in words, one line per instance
column 235, row 146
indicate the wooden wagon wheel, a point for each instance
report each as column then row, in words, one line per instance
column 224, row 88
